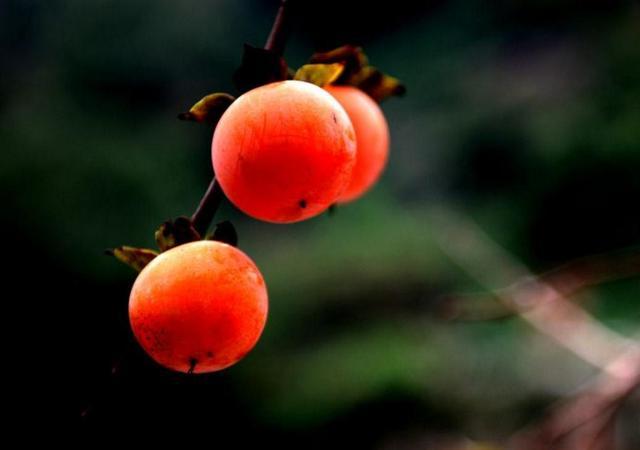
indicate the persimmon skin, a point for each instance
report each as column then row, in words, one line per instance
column 372, row 139
column 199, row 307
column 284, row 152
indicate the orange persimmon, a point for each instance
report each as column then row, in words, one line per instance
column 284, row 152
column 198, row 307
column 372, row 139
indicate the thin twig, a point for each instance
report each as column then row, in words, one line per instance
column 212, row 198
column 209, row 204
column 568, row 279
column 586, row 418
column 536, row 302
column 280, row 31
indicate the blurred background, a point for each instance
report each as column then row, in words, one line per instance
column 523, row 116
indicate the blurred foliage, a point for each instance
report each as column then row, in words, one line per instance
column 523, row 113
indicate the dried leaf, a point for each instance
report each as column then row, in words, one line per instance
column 357, row 72
column 351, row 56
column 376, row 83
column 174, row 233
column 319, row 74
column 137, row 258
column 225, row 232
column 209, row 109
column 259, row 66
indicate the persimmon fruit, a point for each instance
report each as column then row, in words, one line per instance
column 199, row 307
column 372, row 139
column 284, row 152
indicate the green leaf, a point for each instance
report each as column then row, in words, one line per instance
column 137, row 258
column 258, row 67
column 209, row 109
column 376, row 83
column 319, row 74
column 173, row 233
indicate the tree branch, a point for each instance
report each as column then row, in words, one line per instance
column 585, row 420
column 567, row 279
column 280, row 31
column 212, row 198
column 536, row 302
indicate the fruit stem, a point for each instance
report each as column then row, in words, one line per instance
column 212, row 198
column 280, row 30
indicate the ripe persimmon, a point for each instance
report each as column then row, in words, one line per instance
column 284, row 152
column 372, row 139
column 198, row 307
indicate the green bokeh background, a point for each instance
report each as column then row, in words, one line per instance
column 523, row 115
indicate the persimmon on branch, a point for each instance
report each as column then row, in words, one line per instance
column 178, row 311
column 346, row 74
column 187, row 229
column 283, row 151
column 213, row 196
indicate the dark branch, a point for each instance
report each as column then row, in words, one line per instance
column 204, row 214
column 207, row 208
column 280, row 31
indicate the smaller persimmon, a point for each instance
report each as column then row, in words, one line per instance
column 372, row 139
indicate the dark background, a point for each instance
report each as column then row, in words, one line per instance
column 525, row 115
